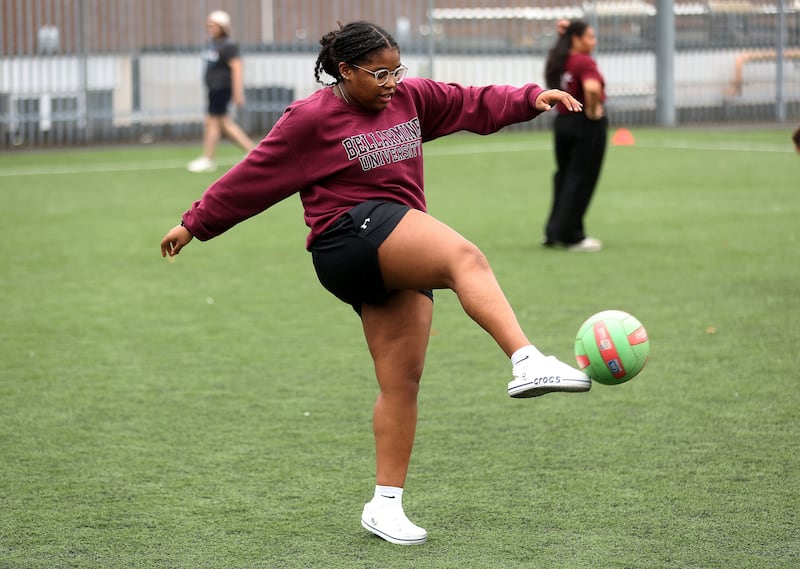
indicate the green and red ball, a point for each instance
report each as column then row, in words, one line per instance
column 612, row 347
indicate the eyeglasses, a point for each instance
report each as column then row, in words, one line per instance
column 382, row 75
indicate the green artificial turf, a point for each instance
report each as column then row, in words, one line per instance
column 215, row 412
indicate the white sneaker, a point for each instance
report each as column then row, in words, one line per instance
column 392, row 525
column 536, row 376
column 202, row 164
column 587, row 244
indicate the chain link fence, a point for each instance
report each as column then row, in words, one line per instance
column 105, row 71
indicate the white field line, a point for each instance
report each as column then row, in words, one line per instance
column 465, row 149
column 100, row 168
column 787, row 148
column 669, row 145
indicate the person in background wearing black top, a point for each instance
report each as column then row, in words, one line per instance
column 224, row 81
column 580, row 138
column 796, row 139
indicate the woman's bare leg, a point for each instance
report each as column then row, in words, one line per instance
column 423, row 252
column 397, row 334
column 235, row 133
column 211, row 136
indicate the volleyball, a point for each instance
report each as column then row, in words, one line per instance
column 612, row 347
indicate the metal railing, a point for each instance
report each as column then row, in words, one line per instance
column 101, row 71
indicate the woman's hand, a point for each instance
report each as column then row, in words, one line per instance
column 593, row 99
column 548, row 99
column 595, row 113
column 174, row 241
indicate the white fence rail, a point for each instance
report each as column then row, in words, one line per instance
column 101, row 72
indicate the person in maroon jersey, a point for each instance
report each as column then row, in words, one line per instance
column 353, row 152
column 580, row 138
column 796, row 139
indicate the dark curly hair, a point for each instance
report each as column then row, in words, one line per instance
column 351, row 43
column 558, row 54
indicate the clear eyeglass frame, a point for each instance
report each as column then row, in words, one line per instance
column 382, row 75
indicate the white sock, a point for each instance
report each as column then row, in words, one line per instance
column 388, row 496
column 524, row 353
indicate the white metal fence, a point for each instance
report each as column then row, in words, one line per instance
column 100, row 71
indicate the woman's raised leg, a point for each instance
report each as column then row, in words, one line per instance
column 423, row 253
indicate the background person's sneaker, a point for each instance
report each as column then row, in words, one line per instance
column 201, row 165
column 536, row 376
column 587, row 244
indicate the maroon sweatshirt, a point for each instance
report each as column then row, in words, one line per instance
column 337, row 155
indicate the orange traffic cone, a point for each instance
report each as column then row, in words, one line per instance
column 622, row 137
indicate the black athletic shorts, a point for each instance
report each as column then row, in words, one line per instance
column 345, row 256
column 218, row 100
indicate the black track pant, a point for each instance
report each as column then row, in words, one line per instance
column 580, row 145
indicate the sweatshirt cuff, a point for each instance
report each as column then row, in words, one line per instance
column 533, row 94
column 190, row 222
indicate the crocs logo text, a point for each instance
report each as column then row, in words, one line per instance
column 546, row 380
